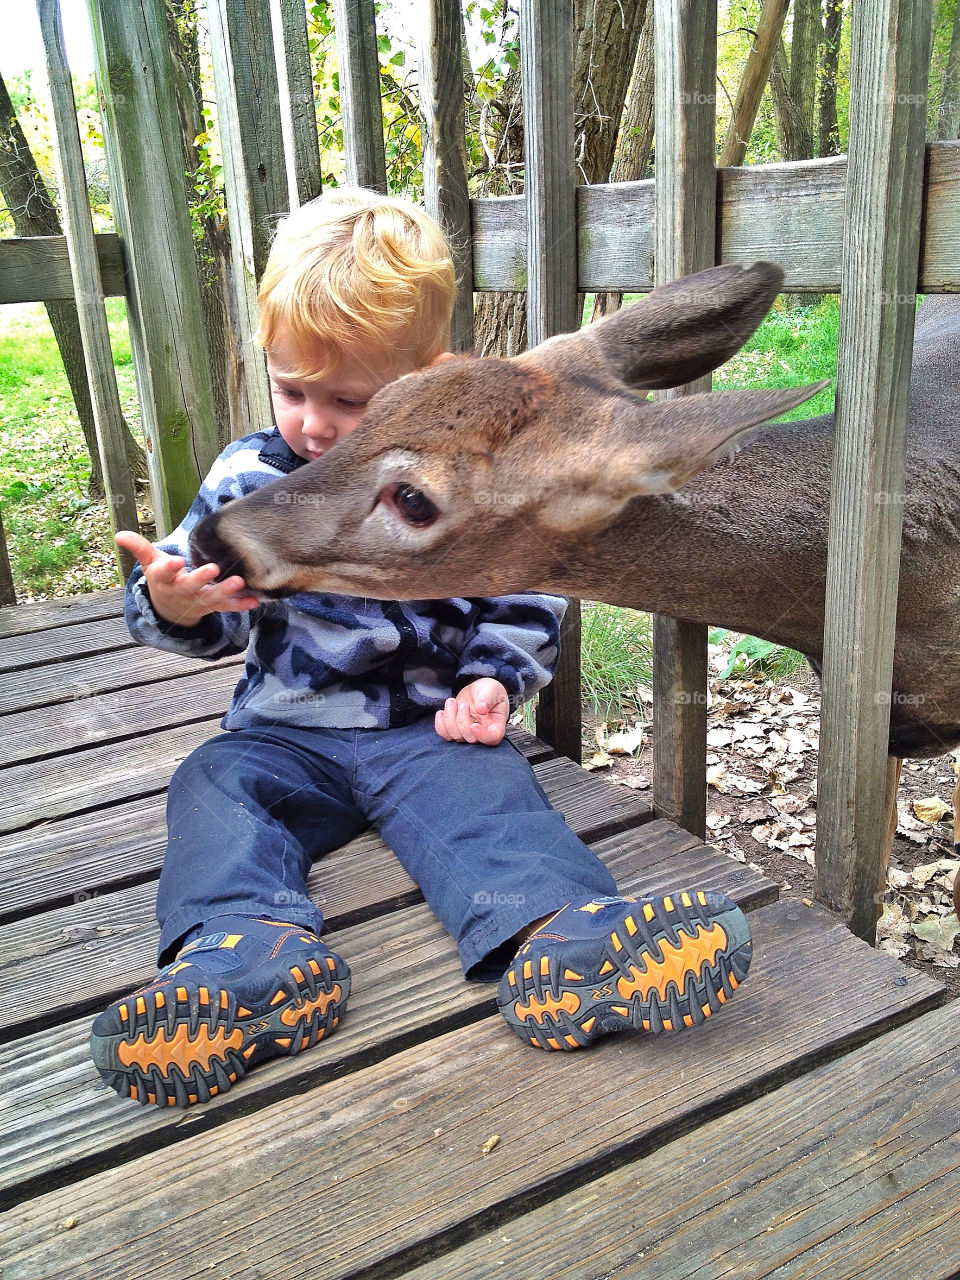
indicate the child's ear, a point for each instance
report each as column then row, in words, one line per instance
column 442, row 358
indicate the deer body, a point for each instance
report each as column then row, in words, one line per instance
column 549, row 472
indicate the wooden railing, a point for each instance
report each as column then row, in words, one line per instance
column 877, row 226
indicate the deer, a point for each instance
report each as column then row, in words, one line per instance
column 553, row 470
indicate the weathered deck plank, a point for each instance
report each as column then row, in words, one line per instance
column 122, row 713
column 91, row 677
column 94, row 776
column 407, row 986
column 66, row 861
column 106, row 945
column 386, row 1163
column 54, row 644
column 849, row 1171
column 62, row 611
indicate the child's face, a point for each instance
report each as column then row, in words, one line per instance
column 313, row 414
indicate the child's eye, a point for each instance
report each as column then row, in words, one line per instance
column 353, row 404
column 288, row 393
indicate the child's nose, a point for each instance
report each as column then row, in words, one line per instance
column 320, row 423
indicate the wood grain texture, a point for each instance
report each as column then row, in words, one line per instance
column 121, row 669
column 88, row 291
column 22, row 652
column 890, row 58
column 356, row 29
column 685, row 63
column 37, row 268
column 789, row 213
column 386, row 1161
column 298, row 111
column 546, row 70
column 46, row 614
column 850, row 1172
column 445, row 191
column 145, row 159
column 254, row 167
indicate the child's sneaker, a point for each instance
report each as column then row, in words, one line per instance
column 616, row 964
column 255, row 989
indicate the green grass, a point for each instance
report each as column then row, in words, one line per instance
column 616, row 658
column 59, row 541
column 793, row 347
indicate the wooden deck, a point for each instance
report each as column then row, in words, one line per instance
column 812, row 1129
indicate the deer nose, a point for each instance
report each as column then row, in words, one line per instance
column 207, row 547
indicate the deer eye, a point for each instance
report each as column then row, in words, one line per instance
column 412, row 505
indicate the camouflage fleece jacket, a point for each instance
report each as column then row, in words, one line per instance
column 318, row 659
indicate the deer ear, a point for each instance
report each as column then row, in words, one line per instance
column 677, row 439
column 656, row 448
column 675, row 334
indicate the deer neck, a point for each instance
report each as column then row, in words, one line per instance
column 743, row 545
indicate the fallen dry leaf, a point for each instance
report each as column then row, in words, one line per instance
column 717, row 777
column 626, row 742
column 930, row 810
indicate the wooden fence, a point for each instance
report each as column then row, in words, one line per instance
column 876, row 225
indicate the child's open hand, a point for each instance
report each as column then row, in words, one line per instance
column 180, row 595
column 477, row 714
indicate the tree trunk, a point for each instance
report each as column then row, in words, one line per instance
column 829, row 129
column 635, row 143
column 755, row 76
column 605, row 40
column 804, row 50
column 34, row 214
column 793, row 137
column 948, row 115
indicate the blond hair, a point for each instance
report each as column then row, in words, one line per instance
column 357, row 268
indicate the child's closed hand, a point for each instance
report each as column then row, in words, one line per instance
column 477, row 714
column 180, row 595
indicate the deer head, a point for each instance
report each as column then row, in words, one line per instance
column 479, row 476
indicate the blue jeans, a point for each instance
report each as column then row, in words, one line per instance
column 251, row 810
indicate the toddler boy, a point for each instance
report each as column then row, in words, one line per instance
column 354, row 712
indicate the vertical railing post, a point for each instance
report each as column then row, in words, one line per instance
column 546, row 69
column 149, row 199
column 254, row 167
column 359, row 76
column 890, row 50
column 298, row 111
column 87, row 285
column 685, row 61
column 444, row 172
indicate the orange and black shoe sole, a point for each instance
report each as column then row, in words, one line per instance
column 669, row 963
column 182, row 1042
